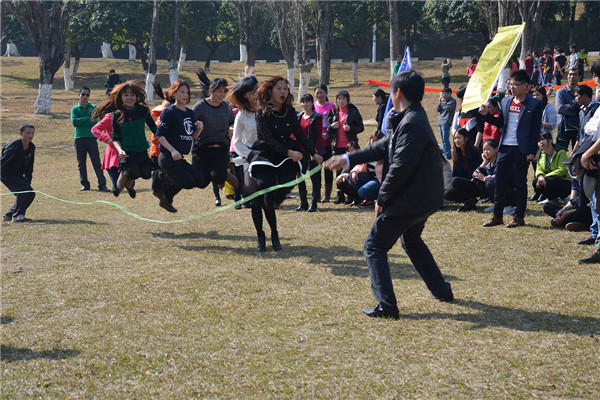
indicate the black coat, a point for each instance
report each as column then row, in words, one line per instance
column 412, row 181
column 353, row 119
column 315, row 131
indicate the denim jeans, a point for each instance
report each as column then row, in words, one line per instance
column 384, row 234
column 370, row 190
column 445, row 132
column 594, row 226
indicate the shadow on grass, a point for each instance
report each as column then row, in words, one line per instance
column 341, row 260
column 202, row 235
column 10, row 354
column 20, row 81
column 66, row 222
column 6, row 319
column 521, row 320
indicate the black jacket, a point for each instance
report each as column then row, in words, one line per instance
column 15, row 160
column 354, row 119
column 412, row 180
column 380, row 117
column 315, row 131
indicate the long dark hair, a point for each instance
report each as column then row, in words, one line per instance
column 114, row 102
column 169, row 94
column 236, row 97
column 324, row 88
column 265, row 90
column 207, row 85
column 542, row 90
column 458, row 155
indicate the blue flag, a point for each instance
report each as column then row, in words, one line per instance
column 405, row 65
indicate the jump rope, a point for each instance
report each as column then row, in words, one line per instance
column 188, row 219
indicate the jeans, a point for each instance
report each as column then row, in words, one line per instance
column 16, row 183
column 384, row 234
column 370, row 190
column 594, row 226
column 83, row 147
column 445, row 132
column 509, row 156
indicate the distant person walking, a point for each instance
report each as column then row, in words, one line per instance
column 113, row 80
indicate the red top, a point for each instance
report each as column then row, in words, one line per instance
column 342, row 139
column 490, row 131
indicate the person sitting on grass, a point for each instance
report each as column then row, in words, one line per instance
column 575, row 216
column 465, row 160
column 552, row 180
column 16, row 172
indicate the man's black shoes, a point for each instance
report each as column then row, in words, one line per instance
column 379, row 312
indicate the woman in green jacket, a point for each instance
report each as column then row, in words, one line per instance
column 551, row 178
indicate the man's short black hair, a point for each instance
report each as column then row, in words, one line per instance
column 460, row 93
column 584, row 90
column 447, row 90
column 25, row 126
column 411, row 84
column 85, row 88
column 520, row 76
column 574, row 69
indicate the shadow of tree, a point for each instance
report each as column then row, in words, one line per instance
column 521, row 320
column 6, row 319
column 66, row 222
column 10, row 354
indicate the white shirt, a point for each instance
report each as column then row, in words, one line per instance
column 244, row 132
column 509, row 138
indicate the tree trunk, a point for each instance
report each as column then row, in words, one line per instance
column 139, row 47
column 173, row 71
column 75, row 67
column 286, row 43
column 304, row 63
column 11, row 50
column 106, row 50
column 212, row 50
column 374, row 48
column 243, row 53
column 251, row 60
column 291, row 79
column 132, row 52
column 394, row 34
column 151, row 76
column 182, row 56
column 46, row 25
column 506, row 12
column 66, row 69
column 355, row 73
column 531, row 13
column 572, row 20
column 305, row 70
column 324, row 34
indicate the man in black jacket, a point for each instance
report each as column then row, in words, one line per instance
column 412, row 189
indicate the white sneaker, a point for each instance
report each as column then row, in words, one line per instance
column 20, row 218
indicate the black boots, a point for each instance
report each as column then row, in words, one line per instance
column 262, row 242
column 275, row 241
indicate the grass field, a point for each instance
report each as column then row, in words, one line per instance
column 98, row 304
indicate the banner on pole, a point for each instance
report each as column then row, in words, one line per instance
column 494, row 57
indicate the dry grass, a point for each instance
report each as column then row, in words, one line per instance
column 96, row 304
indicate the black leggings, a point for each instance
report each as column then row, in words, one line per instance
column 464, row 189
column 258, row 207
column 267, row 176
column 327, row 172
column 212, row 164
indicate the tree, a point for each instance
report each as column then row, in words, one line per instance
column 151, row 75
column 173, row 70
column 394, row 34
column 531, row 13
column 285, row 17
column 46, row 23
column 324, row 31
column 79, row 36
column 303, row 59
column 254, row 26
column 353, row 22
column 12, row 33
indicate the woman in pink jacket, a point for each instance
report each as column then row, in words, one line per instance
column 103, row 131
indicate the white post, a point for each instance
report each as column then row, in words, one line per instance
column 374, row 51
column 243, row 53
column 42, row 104
column 355, row 73
column 106, row 50
column 132, row 53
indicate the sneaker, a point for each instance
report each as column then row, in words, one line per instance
column 542, row 199
column 6, row 218
column 587, row 241
column 218, row 202
column 593, row 258
column 84, row 189
column 535, row 197
column 131, row 192
column 484, row 200
column 20, row 218
column 103, row 189
column 468, row 206
column 116, row 192
column 575, row 227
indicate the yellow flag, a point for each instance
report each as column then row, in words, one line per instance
column 495, row 56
